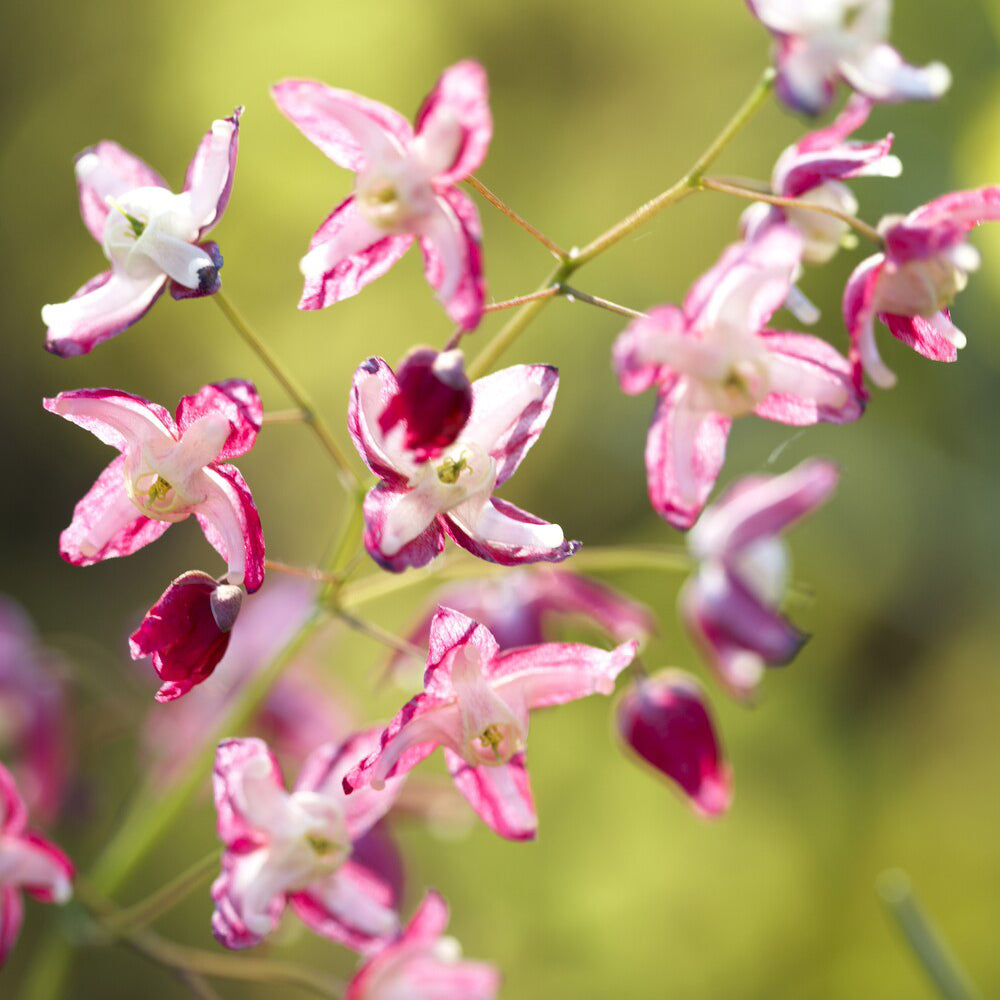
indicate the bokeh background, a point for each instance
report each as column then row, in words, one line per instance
column 878, row 747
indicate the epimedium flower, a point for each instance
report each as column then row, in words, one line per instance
column 730, row 604
column 417, row 503
column 910, row 285
column 167, row 470
column 405, row 187
column 150, row 235
column 823, row 41
column 423, row 964
column 475, row 705
column 27, row 861
column 295, row 847
column 715, row 359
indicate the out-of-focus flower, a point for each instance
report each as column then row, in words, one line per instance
column 405, row 187
column 714, row 359
column 423, row 965
column 665, row 720
column 821, row 41
column 730, row 605
column 27, row 861
column 909, row 287
column 409, row 513
column 296, row 847
column 187, row 631
column 475, row 705
column 149, row 234
column 166, row 471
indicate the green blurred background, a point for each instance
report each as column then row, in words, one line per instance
column 878, row 747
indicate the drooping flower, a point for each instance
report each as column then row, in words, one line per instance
column 187, row 631
column 166, row 471
column 822, row 41
column 149, row 234
column 405, row 187
column 296, row 847
column 423, row 965
column 730, row 604
column 910, row 286
column 714, row 359
column 475, row 705
column 409, row 513
column 665, row 720
column 27, row 861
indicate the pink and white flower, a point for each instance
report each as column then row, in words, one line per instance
column 417, row 504
column 149, row 234
column 730, row 605
column 822, row 41
column 27, row 861
column 405, row 187
column 168, row 470
column 475, row 705
column 715, row 359
column 910, row 286
column 296, row 847
column 422, row 964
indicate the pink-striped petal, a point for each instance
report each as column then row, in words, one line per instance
column 247, row 908
column 635, row 350
column 380, row 504
column 859, row 318
column 229, row 520
column 569, row 593
column 372, row 389
column 880, row 73
column 209, row 178
column 235, row 759
column 209, row 261
column 959, row 209
column 13, row 811
column 11, row 918
column 934, row 337
column 238, row 401
column 500, row 794
column 119, row 419
column 37, row 866
column 451, row 630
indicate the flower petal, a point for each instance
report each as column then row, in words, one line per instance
column 934, row 337
column 248, row 905
column 451, row 630
column 635, row 355
column 37, row 866
column 11, row 917
column 234, row 759
column 382, row 508
column 229, row 519
column 859, row 318
column 237, row 400
column 119, row 419
column 209, row 178
column 880, row 73
column 500, row 794
column 13, row 811
column 373, row 387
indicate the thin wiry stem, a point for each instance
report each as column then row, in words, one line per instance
column 380, row 634
column 553, row 248
column 574, row 294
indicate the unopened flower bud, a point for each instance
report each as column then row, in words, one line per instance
column 225, row 602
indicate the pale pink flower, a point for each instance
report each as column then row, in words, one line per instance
column 422, row 964
column 730, row 605
column 714, row 359
column 27, row 861
column 475, row 705
column 818, row 42
column 405, row 187
column 417, row 504
column 166, row 471
column 149, row 234
column 910, row 286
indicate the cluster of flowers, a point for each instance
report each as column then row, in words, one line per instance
column 440, row 445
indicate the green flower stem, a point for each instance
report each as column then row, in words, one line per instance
column 298, row 395
column 553, row 248
column 574, row 294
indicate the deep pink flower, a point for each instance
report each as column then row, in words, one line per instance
column 296, row 847
column 665, row 720
column 405, row 187
column 150, row 236
column 166, row 471
column 28, row 862
column 422, row 964
column 714, row 359
column 409, row 513
column 730, row 605
column 820, row 41
column 475, row 705
column 909, row 287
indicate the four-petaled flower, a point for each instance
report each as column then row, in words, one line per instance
column 730, row 605
column 910, row 285
column 475, row 705
column 409, row 513
column 820, row 41
column 166, row 471
column 296, row 847
column 149, row 234
column 713, row 360
column 405, row 187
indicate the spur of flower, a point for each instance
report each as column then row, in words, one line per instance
column 730, row 605
column 910, row 285
column 820, row 42
column 715, row 359
column 475, row 705
column 417, row 503
column 296, row 847
column 167, row 470
column 404, row 189
column 150, row 235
